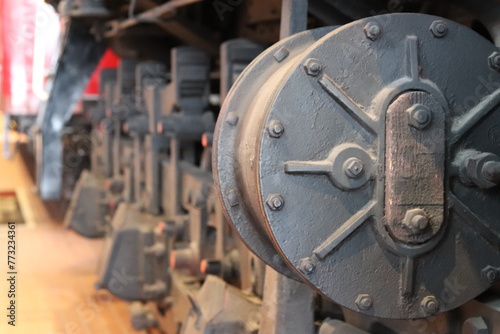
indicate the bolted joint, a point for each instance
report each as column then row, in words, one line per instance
column 275, row 129
column 419, row 116
column 494, row 61
column 372, row 30
column 430, row 305
column 416, row 221
column 312, row 67
column 481, row 170
column 490, row 274
column 439, row 29
column 354, row 168
column 364, row 302
column 307, row 265
column 275, row 202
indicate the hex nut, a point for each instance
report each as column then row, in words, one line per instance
column 364, row 302
column 416, row 221
column 312, row 67
column 439, row 28
column 372, row 30
column 419, row 116
column 275, row 129
column 494, row 61
column 430, row 305
column 472, row 169
column 307, row 265
column 275, row 202
column 490, row 274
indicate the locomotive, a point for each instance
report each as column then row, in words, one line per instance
column 294, row 166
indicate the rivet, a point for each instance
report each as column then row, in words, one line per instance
column 281, row 54
column 232, row 118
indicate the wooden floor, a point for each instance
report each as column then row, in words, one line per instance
column 56, row 271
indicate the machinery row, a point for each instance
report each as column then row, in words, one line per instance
column 287, row 167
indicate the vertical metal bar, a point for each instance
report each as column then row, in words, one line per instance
column 293, row 17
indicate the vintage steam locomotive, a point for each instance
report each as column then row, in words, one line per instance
column 294, row 166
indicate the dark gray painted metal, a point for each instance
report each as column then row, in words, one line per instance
column 222, row 309
column 235, row 56
column 339, row 92
column 80, row 56
column 135, row 259
column 88, row 207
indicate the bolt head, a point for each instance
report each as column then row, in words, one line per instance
column 430, row 305
column 420, row 222
column 232, row 198
column 307, row 266
column 312, row 67
column 416, row 221
column 275, row 129
column 275, row 202
column 419, row 116
column 364, row 302
column 232, row 118
column 439, row 29
column 354, row 168
column 494, row 61
column 372, row 30
column 490, row 274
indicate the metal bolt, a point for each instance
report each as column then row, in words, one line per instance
column 275, row 129
column 372, row 30
column 494, row 61
column 232, row 198
column 232, row 118
column 490, row 274
column 420, row 222
column 281, row 54
column 419, row 116
column 307, row 265
column 416, row 221
column 353, row 168
column 364, row 302
column 430, row 305
column 439, row 29
column 275, row 202
column 312, row 67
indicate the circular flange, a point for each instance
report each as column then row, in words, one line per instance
column 348, row 88
column 234, row 119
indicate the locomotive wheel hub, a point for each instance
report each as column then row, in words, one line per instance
column 337, row 164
